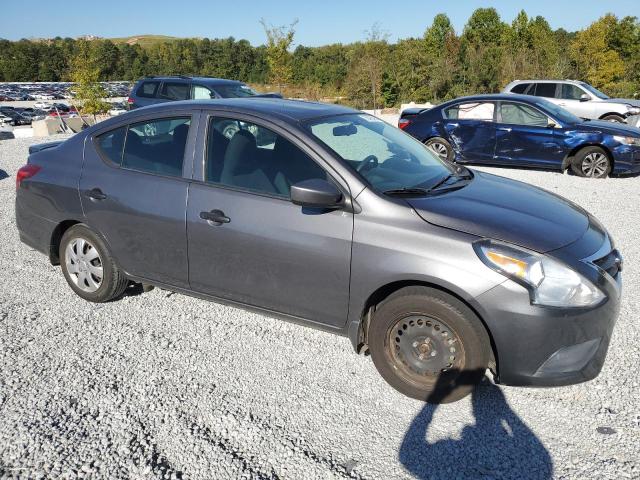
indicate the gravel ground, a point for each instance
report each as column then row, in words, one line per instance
column 161, row 385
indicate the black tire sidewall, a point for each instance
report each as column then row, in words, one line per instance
column 450, row 310
column 443, row 142
column 104, row 293
column 609, row 118
column 576, row 164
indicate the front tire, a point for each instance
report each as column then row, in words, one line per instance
column 428, row 345
column 88, row 267
column 441, row 147
column 591, row 162
column 613, row 118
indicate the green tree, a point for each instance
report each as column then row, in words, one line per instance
column 279, row 39
column 85, row 72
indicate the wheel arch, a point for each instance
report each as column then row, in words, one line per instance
column 570, row 156
column 359, row 334
column 56, row 238
column 617, row 114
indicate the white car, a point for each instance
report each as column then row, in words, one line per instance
column 581, row 99
column 43, row 106
column 117, row 111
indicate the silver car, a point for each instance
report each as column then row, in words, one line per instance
column 581, row 99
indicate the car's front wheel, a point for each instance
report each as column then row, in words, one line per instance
column 613, row 118
column 88, row 267
column 440, row 147
column 428, row 345
column 591, row 162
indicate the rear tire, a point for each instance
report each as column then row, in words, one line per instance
column 613, row 118
column 591, row 162
column 440, row 147
column 428, row 345
column 88, row 267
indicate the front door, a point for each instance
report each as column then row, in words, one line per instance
column 527, row 137
column 472, row 131
column 248, row 243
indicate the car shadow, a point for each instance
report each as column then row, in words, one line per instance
column 3, row 174
column 497, row 445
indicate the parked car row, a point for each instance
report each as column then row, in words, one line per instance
column 524, row 131
column 54, row 90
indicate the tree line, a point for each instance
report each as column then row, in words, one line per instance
column 374, row 72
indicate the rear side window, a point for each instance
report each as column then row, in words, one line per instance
column 111, row 144
column 547, row 90
column 520, row 88
column 175, row 90
column 157, row 146
column 148, row 89
column 471, row 111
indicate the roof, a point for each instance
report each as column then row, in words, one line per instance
column 557, row 80
column 298, row 110
column 209, row 80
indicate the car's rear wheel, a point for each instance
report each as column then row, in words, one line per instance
column 440, row 147
column 613, row 118
column 428, row 345
column 88, row 266
column 591, row 162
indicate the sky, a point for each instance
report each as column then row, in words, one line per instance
column 320, row 22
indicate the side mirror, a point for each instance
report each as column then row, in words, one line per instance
column 551, row 124
column 316, row 193
column 584, row 97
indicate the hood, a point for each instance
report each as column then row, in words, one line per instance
column 629, row 101
column 502, row 209
column 609, row 128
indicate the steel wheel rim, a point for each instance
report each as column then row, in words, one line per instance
column 595, row 164
column 439, row 149
column 84, row 265
column 421, row 348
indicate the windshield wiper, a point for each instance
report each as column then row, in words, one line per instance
column 406, row 191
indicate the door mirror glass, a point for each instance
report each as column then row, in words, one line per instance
column 584, row 97
column 551, row 123
column 316, row 193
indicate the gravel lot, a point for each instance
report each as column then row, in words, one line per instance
column 161, row 385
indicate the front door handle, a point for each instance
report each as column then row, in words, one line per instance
column 96, row 194
column 215, row 217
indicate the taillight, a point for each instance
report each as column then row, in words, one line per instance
column 130, row 100
column 27, row 171
column 403, row 123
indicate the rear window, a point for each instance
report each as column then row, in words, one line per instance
column 547, row 90
column 175, row 90
column 148, row 89
column 520, row 88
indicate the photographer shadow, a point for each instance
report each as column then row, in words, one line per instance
column 497, row 445
column 3, row 174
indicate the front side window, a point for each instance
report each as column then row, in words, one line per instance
column 251, row 157
column 521, row 114
column 200, row 92
column 384, row 156
column 157, row 146
column 235, row 90
column 471, row 111
column 148, row 89
column 175, row 90
column 547, row 90
column 571, row 92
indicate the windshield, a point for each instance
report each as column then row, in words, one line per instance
column 595, row 91
column 239, row 90
column 385, row 156
column 558, row 112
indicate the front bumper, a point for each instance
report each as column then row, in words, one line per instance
column 548, row 346
column 626, row 159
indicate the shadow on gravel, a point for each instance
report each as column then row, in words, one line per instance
column 3, row 174
column 498, row 445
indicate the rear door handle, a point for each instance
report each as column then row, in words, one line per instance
column 215, row 217
column 96, row 194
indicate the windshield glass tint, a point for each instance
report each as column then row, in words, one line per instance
column 558, row 112
column 595, row 91
column 385, row 156
column 235, row 91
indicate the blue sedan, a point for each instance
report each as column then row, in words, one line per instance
column 524, row 131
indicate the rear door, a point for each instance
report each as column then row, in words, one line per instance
column 471, row 130
column 134, row 189
column 264, row 250
column 526, row 137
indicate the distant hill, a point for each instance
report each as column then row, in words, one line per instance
column 145, row 40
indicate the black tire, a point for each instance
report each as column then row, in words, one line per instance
column 112, row 283
column 440, row 147
column 591, row 162
column 446, row 322
column 613, row 118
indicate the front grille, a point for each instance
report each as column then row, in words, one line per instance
column 610, row 263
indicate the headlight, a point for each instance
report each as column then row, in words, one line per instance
column 549, row 281
column 633, row 110
column 627, row 140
